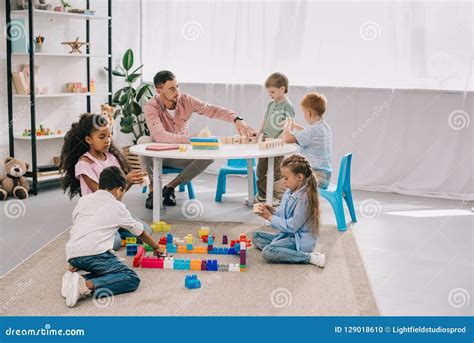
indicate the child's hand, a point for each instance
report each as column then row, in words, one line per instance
column 135, row 176
column 264, row 212
column 270, row 209
column 72, row 269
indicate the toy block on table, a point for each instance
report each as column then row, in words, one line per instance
column 160, row 227
column 137, row 260
column 131, row 240
column 270, row 144
column 195, row 265
column 132, row 249
column 234, row 267
column 192, row 282
column 206, row 143
column 205, row 238
column 168, row 263
column 224, row 239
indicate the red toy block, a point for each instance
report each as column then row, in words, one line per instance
column 137, row 260
column 162, row 240
column 204, row 238
column 152, row 262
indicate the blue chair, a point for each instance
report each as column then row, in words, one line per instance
column 233, row 167
column 182, row 185
column 335, row 193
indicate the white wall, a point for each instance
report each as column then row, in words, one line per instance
column 403, row 141
column 55, row 72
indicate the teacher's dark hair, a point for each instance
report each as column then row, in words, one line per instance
column 162, row 76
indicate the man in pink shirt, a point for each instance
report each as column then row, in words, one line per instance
column 167, row 116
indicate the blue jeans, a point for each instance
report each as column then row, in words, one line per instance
column 108, row 274
column 124, row 233
column 280, row 251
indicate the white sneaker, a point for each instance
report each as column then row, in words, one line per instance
column 65, row 284
column 76, row 290
column 318, row 259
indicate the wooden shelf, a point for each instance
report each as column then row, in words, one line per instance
column 53, row 14
column 60, row 95
column 39, row 138
column 58, row 54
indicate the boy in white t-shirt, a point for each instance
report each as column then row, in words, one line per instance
column 96, row 219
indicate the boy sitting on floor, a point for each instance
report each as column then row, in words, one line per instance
column 96, row 220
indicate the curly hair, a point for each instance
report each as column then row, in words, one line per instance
column 75, row 146
column 298, row 164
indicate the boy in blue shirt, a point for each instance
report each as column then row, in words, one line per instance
column 315, row 140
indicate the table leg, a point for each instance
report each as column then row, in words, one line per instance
column 271, row 162
column 157, row 186
column 250, row 181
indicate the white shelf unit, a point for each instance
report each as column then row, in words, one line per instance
column 39, row 138
column 63, row 58
column 60, row 95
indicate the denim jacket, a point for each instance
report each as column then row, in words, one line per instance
column 291, row 219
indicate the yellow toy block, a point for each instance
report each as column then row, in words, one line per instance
column 161, row 227
column 203, row 231
column 131, row 240
column 189, row 239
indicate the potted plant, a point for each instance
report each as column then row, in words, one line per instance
column 129, row 99
column 63, row 7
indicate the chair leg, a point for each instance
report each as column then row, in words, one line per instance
column 221, row 185
column 181, row 187
column 350, row 204
column 336, row 203
column 255, row 190
column 190, row 190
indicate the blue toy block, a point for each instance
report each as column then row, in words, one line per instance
column 231, row 251
column 226, row 251
column 237, row 247
column 187, row 264
column 192, row 281
column 132, row 249
column 169, row 238
column 189, row 247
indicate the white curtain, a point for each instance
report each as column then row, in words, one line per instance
column 387, row 44
column 397, row 75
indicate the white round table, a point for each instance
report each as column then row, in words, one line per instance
column 225, row 152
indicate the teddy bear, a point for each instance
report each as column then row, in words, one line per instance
column 109, row 112
column 37, row 4
column 12, row 181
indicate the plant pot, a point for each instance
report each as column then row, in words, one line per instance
column 131, row 158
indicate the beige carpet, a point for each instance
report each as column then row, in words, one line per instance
column 342, row 288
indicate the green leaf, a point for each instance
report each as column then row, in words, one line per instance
column 126, row 129
column 142, row 90
column 124, row 99
column 127, row 60
column 127, row 121
column 133, row 77
column 140, row 67
column 136, row 108
column 115, row 72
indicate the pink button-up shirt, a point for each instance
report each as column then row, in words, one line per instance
column 166, row 129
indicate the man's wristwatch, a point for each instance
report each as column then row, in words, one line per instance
column 238, row 118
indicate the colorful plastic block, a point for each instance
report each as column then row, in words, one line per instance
column 195, row 265
column 137, row 260
column 152, row 262
column 224, row 239
column 243, row 257
column 192, row 281
column 203, row 231
column 147, row 247
column 203, row 265
column 234, row 267
column 168, row 263
column 160, row 227
column 131, row 240
column 132, row 249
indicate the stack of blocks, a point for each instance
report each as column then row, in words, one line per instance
column 239, row 140
column 205, row 143
column 270, row 144
column 238, row 247
column 131, row 246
